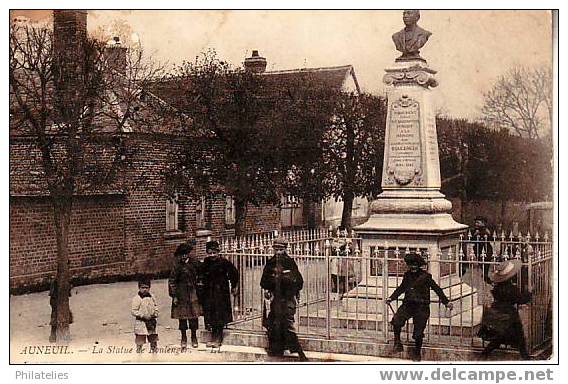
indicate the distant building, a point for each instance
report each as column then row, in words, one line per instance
column 293, row 213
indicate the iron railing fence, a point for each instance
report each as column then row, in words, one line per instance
column 344, row 296
column 263, row 240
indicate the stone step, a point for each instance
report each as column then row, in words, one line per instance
column 323, row 349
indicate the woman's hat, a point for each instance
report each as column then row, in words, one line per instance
column 212, row 245
column 413, row 258
column 505, row 270
column 183, row 249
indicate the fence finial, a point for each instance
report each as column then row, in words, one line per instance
column 505, row 254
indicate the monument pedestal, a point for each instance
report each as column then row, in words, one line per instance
column 411, row 213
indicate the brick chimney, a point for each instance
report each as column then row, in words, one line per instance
column 69, row 39
column 255, row 63
column 69, row 30
column 115, row 54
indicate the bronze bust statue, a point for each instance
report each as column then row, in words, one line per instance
column 412, row 38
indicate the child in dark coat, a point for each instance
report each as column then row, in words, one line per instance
column 501, row 323
column 416, row 285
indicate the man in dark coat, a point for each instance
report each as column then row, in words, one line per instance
column 416, row 285
column 220, row 279
column 182, row 287
column 481, row 248
column 283, row 282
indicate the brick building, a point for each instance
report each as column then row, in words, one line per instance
column 127, row 229
column 132, row 227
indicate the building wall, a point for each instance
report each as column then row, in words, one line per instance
column 96, row 241
column 113, row 236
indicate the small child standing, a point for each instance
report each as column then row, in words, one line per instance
column 416, row 285
column 145, row 312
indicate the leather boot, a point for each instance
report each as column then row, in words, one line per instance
column 194, row 342
column 417, row 355
column 397, row 343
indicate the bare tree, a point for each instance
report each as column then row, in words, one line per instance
column 518, row 100
column 353, row 149
column 74, row 105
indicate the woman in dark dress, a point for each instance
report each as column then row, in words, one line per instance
column 182, row 286
column 220, row 280
column 501, row 323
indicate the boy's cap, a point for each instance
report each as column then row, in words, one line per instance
column 184, row 249
column 280, row 242
column 144, row 281
column 413, row 258
column 212, row 245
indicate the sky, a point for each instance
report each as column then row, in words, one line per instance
column 469, row 49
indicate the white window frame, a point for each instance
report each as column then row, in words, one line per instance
column 172, row 213
column 201, row 212
column 229, row 210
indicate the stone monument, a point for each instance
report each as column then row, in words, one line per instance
column 411, row 212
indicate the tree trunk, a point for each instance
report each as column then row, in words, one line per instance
column 347, row 210
column 240, row 217
column 62, row 216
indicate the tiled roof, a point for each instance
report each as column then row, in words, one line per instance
column 333, row 78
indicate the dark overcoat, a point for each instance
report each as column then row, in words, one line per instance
column 416, row 288
column 218, row 276
column 501, row 321
column 283, row 279
column 182, row 285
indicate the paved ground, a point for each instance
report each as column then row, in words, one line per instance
column 102, row 332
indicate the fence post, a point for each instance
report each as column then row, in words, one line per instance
column 385, row 273
column 530, row 341
column 328, row 290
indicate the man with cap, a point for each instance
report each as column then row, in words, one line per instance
column 220, row 280
column 416, row 285
column 283, row 282
column 182, row 288
column 501, row 323
column 480, row 247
